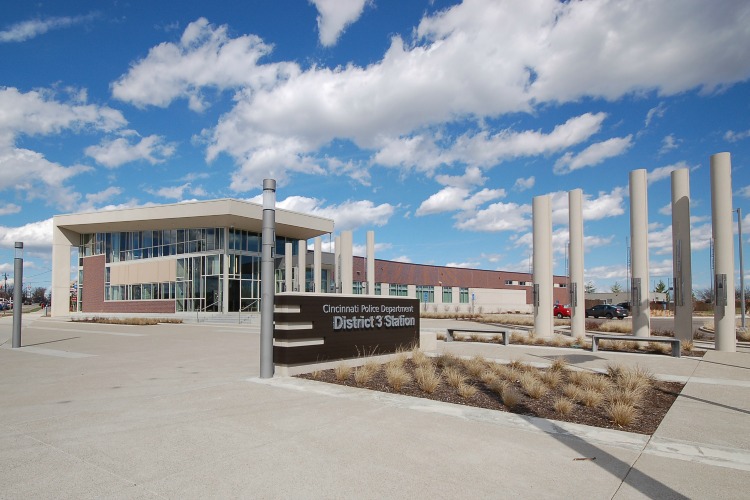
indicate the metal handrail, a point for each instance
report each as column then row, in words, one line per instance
column 197, row 320
column 242, row 309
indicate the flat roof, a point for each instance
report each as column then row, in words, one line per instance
column 225, row 212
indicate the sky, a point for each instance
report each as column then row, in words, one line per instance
column 433, row 123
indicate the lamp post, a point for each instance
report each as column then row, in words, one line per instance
column 17, row 294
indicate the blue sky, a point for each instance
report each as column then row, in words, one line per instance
column 434, row 123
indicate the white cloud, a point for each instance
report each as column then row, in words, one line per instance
column 204, row 57
column 402, row 258
column 450, row 199
column 744, row 192
column 178, row 192
column 39, row 178
column 334, row 16
column 469, row 62
column 463, row 265
column 102, row 196
column 35, row 235
column 604, row 205
column 593, row 155
column 496, row 217
column 39, row 113
column 666, row 209
column 618, row 271
column 9, row 208
column 117, row 152
column 524, row 184
column 26, row 30
column 655, row 112
column 669, row 143
column 348, row 215
column 665, row 172
column 732, row 136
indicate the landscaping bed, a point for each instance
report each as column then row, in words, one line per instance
column 628, row 399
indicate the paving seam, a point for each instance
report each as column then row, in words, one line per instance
column 732, row 458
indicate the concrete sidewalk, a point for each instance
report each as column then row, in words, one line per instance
column 176, row 411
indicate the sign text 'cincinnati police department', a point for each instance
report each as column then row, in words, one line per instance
column 355, row 317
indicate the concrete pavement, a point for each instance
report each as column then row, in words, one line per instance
column 177, row 411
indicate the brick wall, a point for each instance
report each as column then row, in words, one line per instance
column 93, row 293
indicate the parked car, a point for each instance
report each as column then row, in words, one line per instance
column 606, row 310
column 561, row 311
column 625, row 305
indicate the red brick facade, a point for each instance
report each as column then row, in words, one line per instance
column 93, row 294
column 387, row 271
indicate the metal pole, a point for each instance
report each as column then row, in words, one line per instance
column 742, row 270
column 17, row 294
column 267, row 278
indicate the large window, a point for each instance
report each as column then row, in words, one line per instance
column 398, row 290
column 447, row 295
column 199, row 283
column 463, row 295
column 378, row 289
column 136, row 245
column 426, row 293
column 358, row 288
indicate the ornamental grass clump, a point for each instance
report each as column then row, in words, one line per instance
column 563, row 406
column 572, row 391
column 466, row 391
column 498, row 386
column 559, row 364
column 618, row 326
column 454, row 376
column 363, row 374
column 487, row 376
column 419, row 358
column 510, row 397
column 551, row 378
column 342, row 371
column 447, row 359
column 532, row 386
column 475, row 366
column 427, row 378
column 590, row 398
column 396, row 375
column 621, row 414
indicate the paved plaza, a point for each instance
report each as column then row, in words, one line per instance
column 177, row 411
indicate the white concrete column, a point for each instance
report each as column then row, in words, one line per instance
column 288, row 265
column 681, row 258
column 225, row 273
column 347, row 263
column 302, row 264
column 337, row 263
column 639, row 253
column 371, row 262
column 318, row 265
column 542, row 296
column 721, row 213
column 577, row 296
column 62, row 241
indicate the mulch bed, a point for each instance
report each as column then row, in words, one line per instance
column 651, row 409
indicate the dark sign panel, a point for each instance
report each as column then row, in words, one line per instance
column 311, row 328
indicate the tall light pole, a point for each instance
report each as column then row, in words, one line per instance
column 742, row 270
column 267, row 283
column 17, row 294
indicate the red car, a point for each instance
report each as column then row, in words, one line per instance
column 561, row 311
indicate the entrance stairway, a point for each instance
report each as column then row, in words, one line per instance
column 232, row 318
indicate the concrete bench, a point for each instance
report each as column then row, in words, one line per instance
column 449, row 337
column 676, row 344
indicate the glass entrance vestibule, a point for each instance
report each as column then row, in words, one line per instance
column 215, row 269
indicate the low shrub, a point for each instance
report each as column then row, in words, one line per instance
column 426, row 378
column 466, row 391
column 342, row 371
column 563, row 406
column 621, row 414
column 510, row 397
column 396, row 375
column 454, row 376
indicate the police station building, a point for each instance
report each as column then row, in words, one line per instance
column 205, row 257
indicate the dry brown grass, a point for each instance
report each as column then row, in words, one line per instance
column 510, row 397
column 475, row 366
column 509, row 319
column 419, row 358
column 498, row 386
column 517, row 338
column 363, row 374
column 551, row 378
column 563, row 406
column 659, row 348
column 532, row 386
column 616, row 326
column 447, row 359
column 466, row 391
column 128, row 321
column 621, row 414
column 396, row 375
column 743, row 336
column 342, row 371
column 316, row 374
column 454, row 376
column 488, row 376
column 559, row 364
column 590, row 398
column 427, row 378
column 572, row 391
